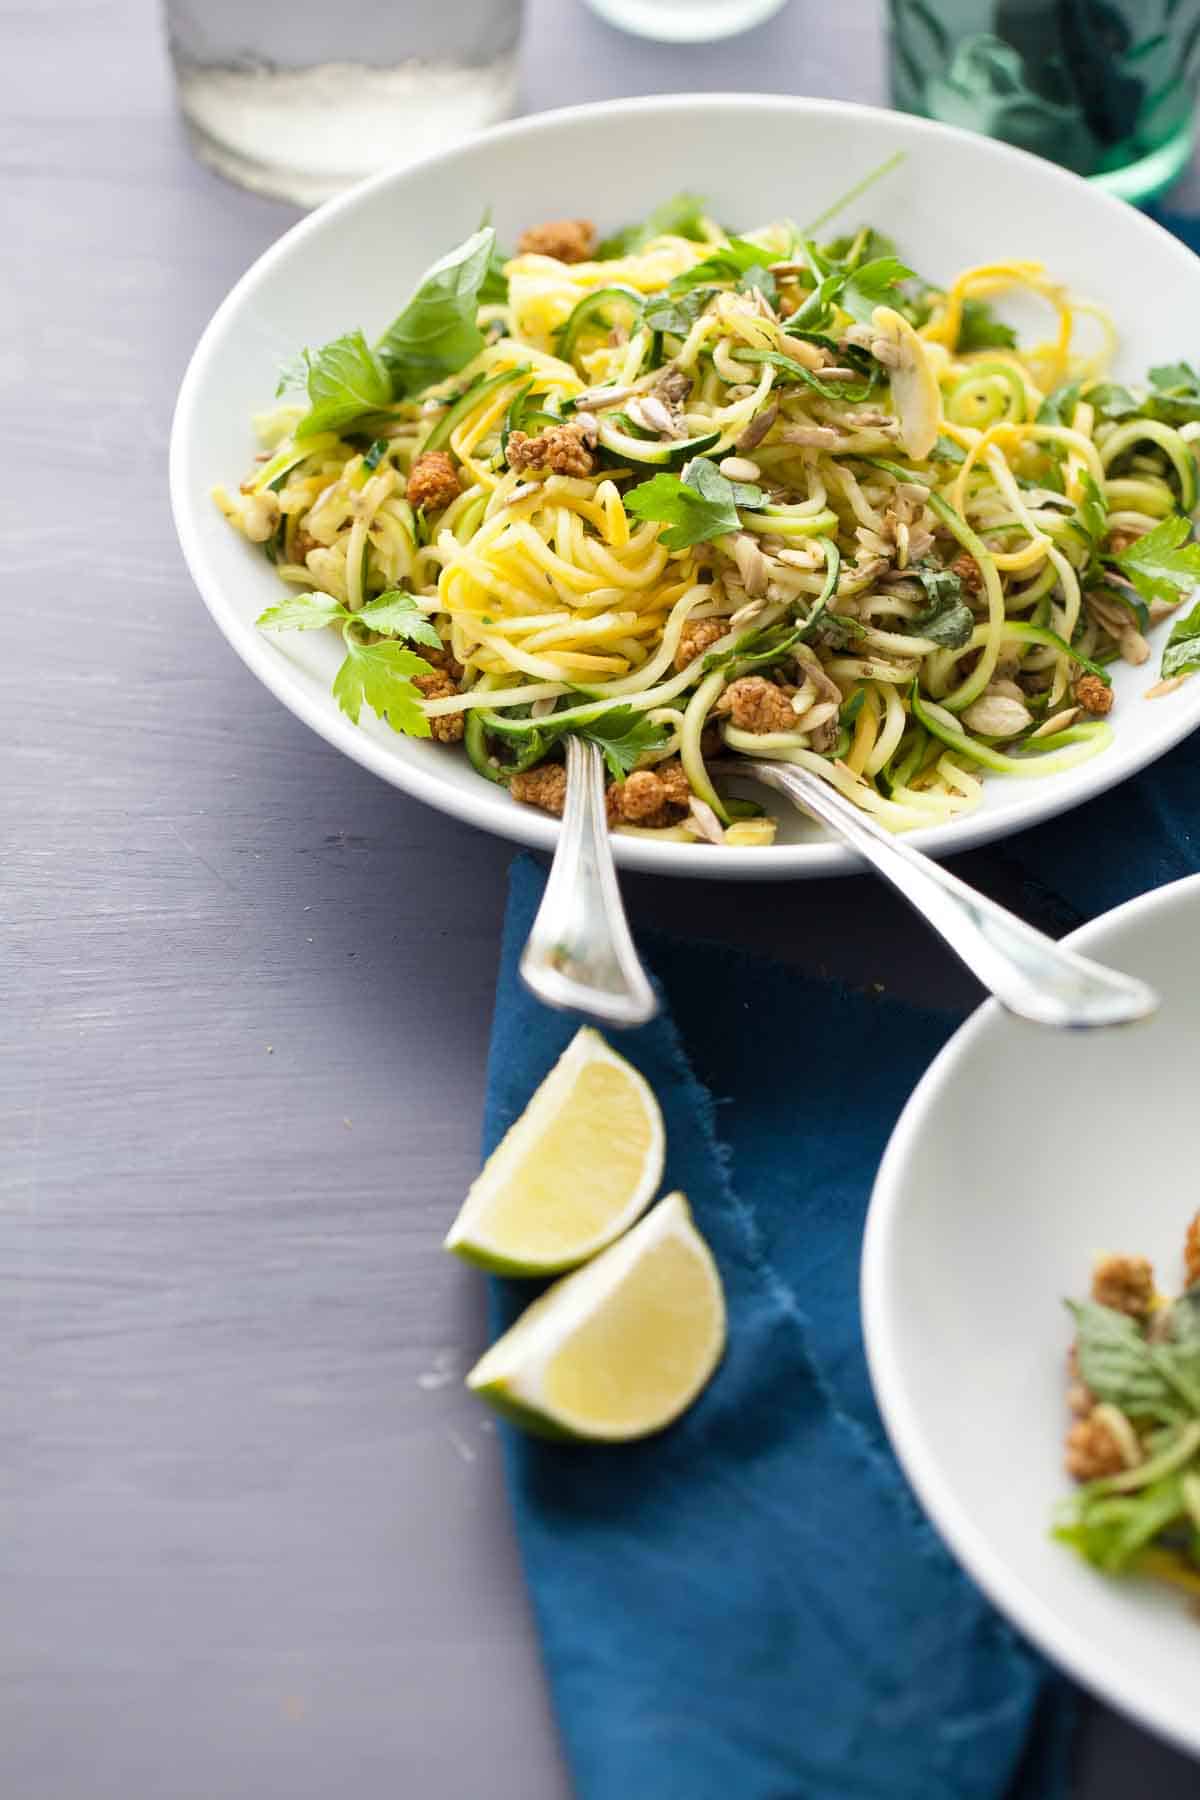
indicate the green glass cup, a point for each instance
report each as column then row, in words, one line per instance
column 1105, row 87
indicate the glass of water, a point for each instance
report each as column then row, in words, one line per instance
column 301, row 98
column 1106, row 87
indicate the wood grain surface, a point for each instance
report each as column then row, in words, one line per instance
column 253, row 1535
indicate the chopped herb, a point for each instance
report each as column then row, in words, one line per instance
column 375, row 455
column 1058, row 407
column 679, row 315
column 698, row 505
column 682, row 216
column 945, row 450
column 980, row 329
column 794, row 371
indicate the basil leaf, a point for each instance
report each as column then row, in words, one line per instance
column 947, row 620
column 1118, row 1364
column 436, row 334
column 345, row 380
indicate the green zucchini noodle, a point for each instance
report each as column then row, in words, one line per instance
column 705, row 495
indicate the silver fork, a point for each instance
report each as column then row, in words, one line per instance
column 580, row 955
column 1028, row 972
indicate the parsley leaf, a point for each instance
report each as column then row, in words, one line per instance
column 1181, row 652
column 760, row 277
column 728, row 262
column 623, row 735
column 1058, row 407
column 436, row 334
column 980, row 329
column 699, row 505
column 1175, row 394
column 870, row 286
column 398, row 615
column 345, row 380
column 682, row 216
column 947, row 620
column 1162, row 565
column 379, row 674
column 1111, row 401
column 302, row 612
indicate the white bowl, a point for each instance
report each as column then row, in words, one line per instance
column 956, row 199
column 1021, row 1155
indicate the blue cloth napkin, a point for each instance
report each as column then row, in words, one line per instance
column 751, row 1606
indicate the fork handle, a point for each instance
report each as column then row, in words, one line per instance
column 580, row 955
column 1028, row 972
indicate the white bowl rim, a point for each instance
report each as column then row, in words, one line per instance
column 1115, row 1679
column 489, row 810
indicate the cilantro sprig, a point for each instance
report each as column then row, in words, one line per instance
column 698, row 505
column 378, row 675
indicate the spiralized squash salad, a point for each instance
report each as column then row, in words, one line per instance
column 689, row 493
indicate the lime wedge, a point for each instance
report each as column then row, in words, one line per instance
column 579, row 1166
column 619, row 1348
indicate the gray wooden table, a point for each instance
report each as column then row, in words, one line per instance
column 253, row 1537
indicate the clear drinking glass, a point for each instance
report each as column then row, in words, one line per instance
column 300, row 98
column 1106, row 87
